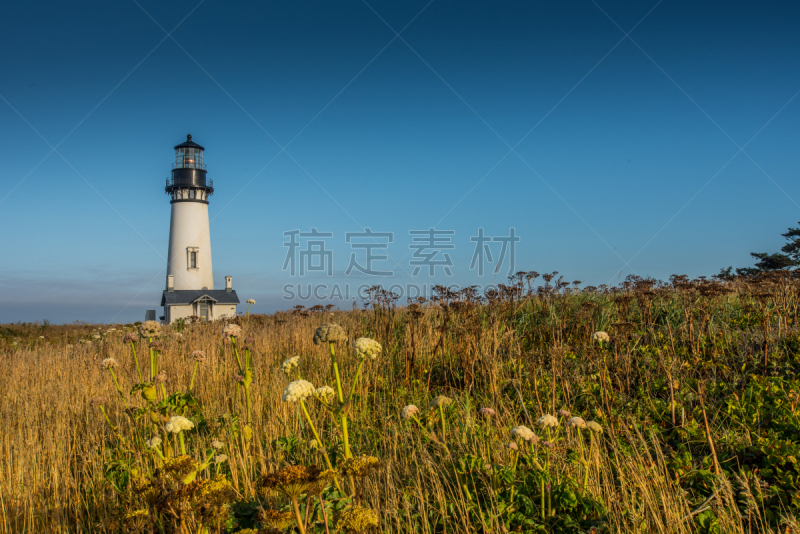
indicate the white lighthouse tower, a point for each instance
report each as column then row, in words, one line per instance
column 190, row 278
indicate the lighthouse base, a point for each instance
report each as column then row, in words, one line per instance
column 207, row 305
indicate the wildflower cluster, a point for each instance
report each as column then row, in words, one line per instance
column 329, row 333
column 367, row 348
column 150, row 329
column 290, row 365
column 524, row 433
column 177, row 424
column 232, row 330
column 357, row 519
column 299, row 390
column 409, row 411
column 326, row 394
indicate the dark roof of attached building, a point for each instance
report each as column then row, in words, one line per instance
column 189, row 296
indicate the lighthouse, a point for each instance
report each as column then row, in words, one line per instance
column 190, row 279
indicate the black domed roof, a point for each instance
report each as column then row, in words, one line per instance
column 189, row 144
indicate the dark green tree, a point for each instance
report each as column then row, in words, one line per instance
column 792, row 247
column 787, row 258
column 773, row 262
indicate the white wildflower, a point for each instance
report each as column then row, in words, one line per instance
column 251, row 301
column 154, row 442
column 178, row 423
column 576, row 422
column 409, row 411
column 441, row 400
column 594, row 426
column 232, row 330
column 329, row 333
column 298, row 390
column 290, row 365
column 150, row 328
column 217, row 444
column 601, row 337
column 367, row 348
column 220, row 458
column 547, row 420
column 109, row 363
column 325, row 393
column 523, row 432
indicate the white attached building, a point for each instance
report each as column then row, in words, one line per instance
column 190, row 278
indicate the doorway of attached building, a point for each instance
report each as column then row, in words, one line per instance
column 203, row 309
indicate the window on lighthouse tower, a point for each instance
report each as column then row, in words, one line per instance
column 191, row 258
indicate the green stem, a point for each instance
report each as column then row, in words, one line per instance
column 116, row 383
column 297, row 516
column 113, row 428
column 444, row 424
column 159, row 453
column 103, row 409
column 585, row 463
column 549, row 492
column 355, row 380
column 541, row 500
column 425, row 431
column 487, row 444
column 152, row 365
column 247, row 399
column 414, row 418
column 206, row 462
column 194, row 372
column 514, row 472
column 236, row 352
column 316, row 436
column 183, row 447
column 345, row 436
column 136, row 360
column 336, row 373
column 588, row 462
column 347, row 453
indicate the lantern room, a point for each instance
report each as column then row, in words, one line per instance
column 189, row 155
column 188, row 180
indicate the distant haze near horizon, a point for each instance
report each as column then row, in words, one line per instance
column 671, row 151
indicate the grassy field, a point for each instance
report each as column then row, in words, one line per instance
column 685, row 419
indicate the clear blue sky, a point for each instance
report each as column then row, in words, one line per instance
column 624, row 149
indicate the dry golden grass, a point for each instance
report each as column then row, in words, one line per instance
column 57, row 449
